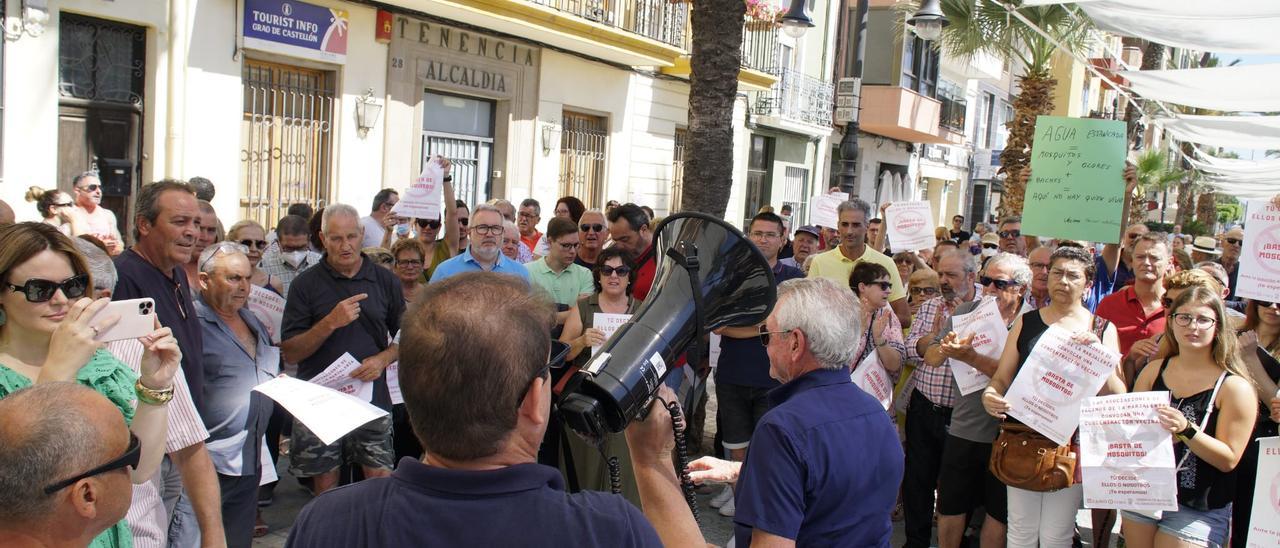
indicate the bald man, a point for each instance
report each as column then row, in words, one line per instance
column 51, row 436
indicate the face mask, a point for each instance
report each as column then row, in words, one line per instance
column 294, row 258
column 988, row 252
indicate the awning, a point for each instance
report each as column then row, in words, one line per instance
column 1238, row 88
column 1235, row 26
column 1257, row 132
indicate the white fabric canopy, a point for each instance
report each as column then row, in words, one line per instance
column 1258, row 132
column 1234, row 166
column 1238, row 88
column 1234, row 26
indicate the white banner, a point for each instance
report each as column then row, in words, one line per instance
column 908, row 225
column 269, row 308
column 989, row 333
column 422, row 199
column 329, row 414
column 338, row 377
column 825, row 210
column 871, row 377
column 607, row 324
column 1054, row 381
column 1259, row 276
column 1126, row 456
column 1264, row 525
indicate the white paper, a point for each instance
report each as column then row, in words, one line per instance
column 1264, row 525
column 338, row 377
column 715, row 350
column 607, row 324
column 824, row 210
column 329, row 414
column 1126, row 457
column 269, row 308
column 268, row 468
column 393, row 383
column 1259, row 275
column 422, row 199
column 1054, row 381
column 989, row 335
column 909, row 227
column 871, row 377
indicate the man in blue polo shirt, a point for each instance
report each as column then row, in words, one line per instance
column 742, row 378
column 485, row 252
column 825, row 462
column 480, row 410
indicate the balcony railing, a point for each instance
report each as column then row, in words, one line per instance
column 660, row 20
column 796, row 97
column 759, row 45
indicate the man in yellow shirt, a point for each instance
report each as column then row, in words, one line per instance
column 838, row 263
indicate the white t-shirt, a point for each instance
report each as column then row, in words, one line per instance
column 373, row 232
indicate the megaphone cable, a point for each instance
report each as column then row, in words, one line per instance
column 682, row 456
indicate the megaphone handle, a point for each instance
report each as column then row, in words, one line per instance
column 690, row 263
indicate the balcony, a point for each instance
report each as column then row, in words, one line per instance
column 659, row 20
column 900, row 113
column 796, row 98
column 759, row 54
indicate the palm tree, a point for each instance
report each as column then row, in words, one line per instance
column 715, row 58
column 983, row 26
column 1154, row 174
column 1152, row 59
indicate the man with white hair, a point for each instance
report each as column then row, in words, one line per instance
column 485, row 252
column 825, row 461
column 344, row 304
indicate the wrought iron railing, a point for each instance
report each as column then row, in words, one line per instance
column 759, row 45
column 796, row 97
column 660, row 20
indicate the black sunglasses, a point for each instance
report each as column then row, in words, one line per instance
column 765, row 333
column 1264, row 304
column 257, row 244
column 39, row 291
column 1009, row 233
column 433, row 224
column 68, row 204
column 1000, row 284
column 621, row 271
column 1233, row 241
column 883, row 285
column 90, row 188
column 130, row 458
column 597, row 227
column 559, row 351
column 463, row 221
column 990, row 246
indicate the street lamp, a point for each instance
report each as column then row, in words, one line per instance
column 797, row 19
column 928, row 21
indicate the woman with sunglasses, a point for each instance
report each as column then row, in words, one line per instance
column 437, row 248
column 922, row 286
column 57, row 209
column 48, row 333
column 614, row 273
column 1214, row 405
column 870, row 282
column 1260, row 350
column 409, row 255
column 253, row 237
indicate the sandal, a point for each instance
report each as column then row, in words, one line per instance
column 260, row 528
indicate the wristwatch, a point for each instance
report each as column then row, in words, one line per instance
column 151, row 396
column 1187, row 433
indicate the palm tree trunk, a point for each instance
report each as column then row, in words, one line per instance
column 1186, row 193
column 1207, row 211
column 1035, row 98
column 713, row 86
column 1152, row 59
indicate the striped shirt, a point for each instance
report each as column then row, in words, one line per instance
column 934, row 383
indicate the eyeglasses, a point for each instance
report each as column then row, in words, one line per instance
column 1039, row 266
column 433, row 224
column 256, row 244
column 765, row 235
column 990, row 246
column 68, row 204
column 89, row 188
column 1133, row 235
column 1009, row 233
column 1000, row 284
column 463, row 221
column 1267, row 304
column 487, row 229
column 621, row 271
column 409, row 262
column 383, row 259
column 568, row 246
column 1233, row 241
column 132, row 455
column 765, row 334
column 594, row 227
column 524, row 215
column 39, row 291
column 929, row 291
column 882, row 285
column 1200, row 322
column 558, row 352
column 223, row 247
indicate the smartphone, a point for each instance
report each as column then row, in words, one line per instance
column 137, row 318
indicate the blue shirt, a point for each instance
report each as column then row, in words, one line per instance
column 1105, row 284
column 824, row 467
column 465, row 262
column 172, row 295
column 421, row 505
column 235, row 415
column 743, row 362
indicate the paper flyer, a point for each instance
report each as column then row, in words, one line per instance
column 989, row 335
column 1126, row 457
column 338, row 377
column 1054, row 381
column 909, row 228
column 1259, row 275
column 608, row 324
column 422, row 199
column 329, row 414
column 269, row 308
column 871, row 377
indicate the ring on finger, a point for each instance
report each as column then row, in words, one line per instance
column 95, row 330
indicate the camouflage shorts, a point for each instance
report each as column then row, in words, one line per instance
column 368, row 446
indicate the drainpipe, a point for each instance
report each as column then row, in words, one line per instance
column 175, row 114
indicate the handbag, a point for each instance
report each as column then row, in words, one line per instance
column 1024, row 458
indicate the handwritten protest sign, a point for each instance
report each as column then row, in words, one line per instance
column 422, row 199
column 1076, row 190
column 329, row 414
column 909, row 226
column 1264, row 526
column 1055, row 379
column 871, row 377
column 607, row 324
column 989, row 334
column 1126, row 457
column 1259, row 276
column 338, row 377
column 824, row 210
column 269, row 308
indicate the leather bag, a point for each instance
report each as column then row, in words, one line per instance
column 1023, row 458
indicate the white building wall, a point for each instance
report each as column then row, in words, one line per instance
column 658, row 107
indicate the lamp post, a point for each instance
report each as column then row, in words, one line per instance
column 797, row 21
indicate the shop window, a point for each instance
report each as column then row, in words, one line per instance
column 919, row 66
column 583, row 153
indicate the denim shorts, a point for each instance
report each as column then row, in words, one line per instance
column 1190, row 525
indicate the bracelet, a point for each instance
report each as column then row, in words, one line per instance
column 1187, row 433
column 151, row 396
column 448, row 178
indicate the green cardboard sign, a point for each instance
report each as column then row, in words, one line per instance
column 1076, row 190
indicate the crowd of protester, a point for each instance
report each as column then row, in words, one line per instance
column 805, row 457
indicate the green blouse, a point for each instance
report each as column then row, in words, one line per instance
column 113, row 379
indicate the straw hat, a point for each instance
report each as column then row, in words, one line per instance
column 1206, row 245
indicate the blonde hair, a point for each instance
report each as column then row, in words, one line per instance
column 1192, row 278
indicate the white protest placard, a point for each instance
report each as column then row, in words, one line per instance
column 393, row 383
column 269, row 308
column 714, row 341
column 989, row 333
column 1126, row 457
column 1264, row 525
column 338, row 377
column 422, row 199
column 908, row 226
column 1259, row 275
column 329, row 414
column 824, row 210
column 871, row 377
column 607, row 324
column 1054, row 381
